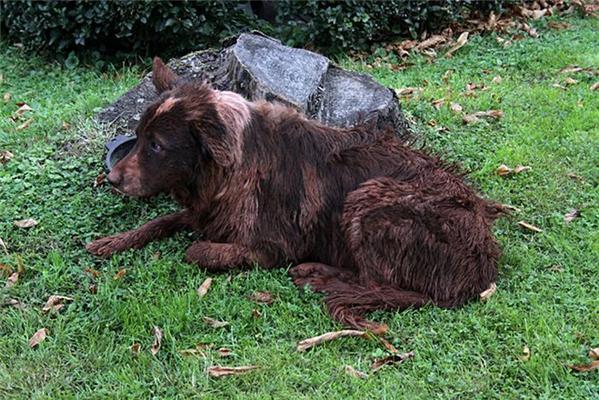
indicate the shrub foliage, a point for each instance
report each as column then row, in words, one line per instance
column 143, row 28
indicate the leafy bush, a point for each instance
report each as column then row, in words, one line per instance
column 340, row 25
column 145, row 28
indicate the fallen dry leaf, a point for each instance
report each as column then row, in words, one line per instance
column 157, row 340
column 12, row 279
column 594, row 353
column 558, row 25
column 497, row 79
column 93, row 289
column 203, row 288
column 135, row 349
column 569, row 217
column 262, row 298
column 585, row 367
column 197, row 351
column 224, row 352
column 486, row 294
column 56, row 302
column 25, row 223
column 447, row 75
column 256, row 313
column 408, row 91
column 38, row 337
column 214, row 323
column 5, row 156
column 311, row 342
column 459, row 43
column 431, row 42
column 476, row 117
column 6, row 97
column 99, row 181
column 23, row 108
column 503, row 170
column 557, row 85
column 24, row 125
column 65, row 125
column 570, row 81
column 521, row 168
column 530, row 227
column 456, row 108
column 351, row 371
column 14, row 303
column 438, row 103
column 393, row 359
column 594, row 86
column 387, row 345
column 217, row 371
column 119, row 275
column 94, row 273
column 525, row 354
column 572, row 175
column 570, row 69
column 532, row 32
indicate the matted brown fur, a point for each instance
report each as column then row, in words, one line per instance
column 364, row 219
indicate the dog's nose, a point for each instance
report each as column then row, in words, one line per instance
column 114, row 178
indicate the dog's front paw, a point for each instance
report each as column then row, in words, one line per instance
column 107, row 246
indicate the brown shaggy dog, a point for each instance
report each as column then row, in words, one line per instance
column 365, row 219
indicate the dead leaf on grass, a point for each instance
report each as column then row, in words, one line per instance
column 256, row 313
column 486, row 294
column 25, row 223
column 393, row 359
column 224, row 352
column 119, row 275
column 351, row 371
column 585, row 367
column 569, row 217
column 476, row 117
column 497, row 79
column 214, row 323
column 38, row 337
column 6, row 97
column 157, row 340
column 135, row 349
column 3, row 245
column 196, row 351
column 557, row 85
column 456, row 108
column 594, row 353
column 387, row 345
column 12, row 279
column 462, row 40
column 204, row 287
column 525, row 354
column 216, row 371
column 5, row 156
column 262, row 298
column 100, row 179
column 14, row 303
column 570, row 69
column 408, row 91
column 529, row 227
column 438, row 103
column 569, row 81
column 594, row 86
column 532, row 32
column 24, row 125
column 558, row 26
column 572, row 175
column 311, row 342
column 23, row 108
column 94, row 273
column 56, row 302
column 431, row 42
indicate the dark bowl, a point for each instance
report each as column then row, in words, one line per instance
column 118, row 148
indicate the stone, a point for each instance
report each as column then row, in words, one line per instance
column 259, row 67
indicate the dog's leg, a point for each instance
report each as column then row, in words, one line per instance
column 224, row 256
column 156, row 229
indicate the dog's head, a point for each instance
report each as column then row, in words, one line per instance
column 190, row 127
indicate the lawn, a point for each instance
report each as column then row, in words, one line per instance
column 547, row 298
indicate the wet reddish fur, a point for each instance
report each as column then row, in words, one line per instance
column 364, row 219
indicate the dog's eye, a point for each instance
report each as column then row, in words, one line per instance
column 155, row 147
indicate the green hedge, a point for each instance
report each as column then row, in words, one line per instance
column 144, row 28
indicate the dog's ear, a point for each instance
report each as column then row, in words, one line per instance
column 162, row 76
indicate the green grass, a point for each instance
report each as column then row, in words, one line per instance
column 547, row 297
